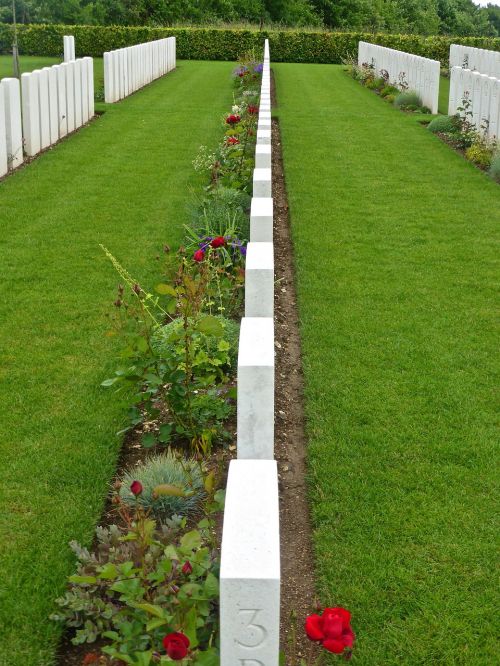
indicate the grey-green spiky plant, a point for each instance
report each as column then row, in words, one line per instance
column 166, row 468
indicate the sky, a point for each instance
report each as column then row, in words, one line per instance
column 483, row 3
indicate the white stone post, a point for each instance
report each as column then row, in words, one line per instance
column 261, row 220
column 255, row 404
column 53, row 104
column 85, row 91
column 31, row 113
column 13, row 121
column 250, row 566
column 62, row 101
column 259, row 280
column 89, row 64
column 4, row 165
column 262, row 183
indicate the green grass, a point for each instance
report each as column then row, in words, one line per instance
column 397, row 270
column 29, row 63
column 124, row 181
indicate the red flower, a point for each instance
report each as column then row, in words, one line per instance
column 136, row 488
column 187, row 568
column 90, row 658
column 232, row 141
column 176, row 645
column 218, row 242
column 232, row 119
column 199, row 255
column 332, row 629
column 253, row 109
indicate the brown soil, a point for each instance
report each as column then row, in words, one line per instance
column 297, row 564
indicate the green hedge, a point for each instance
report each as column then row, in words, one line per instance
column 219, row 44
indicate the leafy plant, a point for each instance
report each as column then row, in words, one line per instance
column 444, row 125
column 144, row 582
column 214, row 355
column 479, row 154
column 408, row 98
column 166, row 469
column 389, row 90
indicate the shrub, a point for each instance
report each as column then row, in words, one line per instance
column 166, row 469
column 495, row 168
column 389, row 90
column 479, row 154
column 408, row 98
column 444, row 125
column 390, row 98
column 228, row 44
column 376, row 84
column 166, row 343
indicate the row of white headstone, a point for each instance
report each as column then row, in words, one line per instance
column 483, row 94
column 479, row 60
column 419, row 74
column 69, row 48
column 128, row 69
column 250, row 558
column 56, row 101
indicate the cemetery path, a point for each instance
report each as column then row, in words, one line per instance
column 124, row 181
column 397, row 270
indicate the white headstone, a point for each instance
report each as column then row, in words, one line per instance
column 53, row 105
column 250, row 566
column 85, row 91
column 70, row 95
column 31, row 113
column 263, row 135
column 13, row 121
column 4, row 166
column 263, row 156
column 62, row 102
column 262, row 183
column 255, row 404
column 89, row 62
column 259, row 280
column 43, row 91
column 78, row 93
column 261, row 220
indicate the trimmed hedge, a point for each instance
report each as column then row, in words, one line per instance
column 224, row 44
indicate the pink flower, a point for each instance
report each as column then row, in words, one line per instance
column 199, row 255
column 187, row 568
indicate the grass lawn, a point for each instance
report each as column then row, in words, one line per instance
column 397, row 271
column 124, row 181
column 29, row 63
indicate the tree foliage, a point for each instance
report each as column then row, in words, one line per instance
column 424, row 17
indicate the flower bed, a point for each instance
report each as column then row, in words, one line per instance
column 148, row 591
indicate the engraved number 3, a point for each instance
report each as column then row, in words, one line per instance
column 258, row 633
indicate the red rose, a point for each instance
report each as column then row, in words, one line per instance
column 232, row 141
column 187, row 568
column 176, row 645
column 332, row 629
column 199, row 255
column 218, row 242
column 136, row 488
column 232, row 119
column 253, row 109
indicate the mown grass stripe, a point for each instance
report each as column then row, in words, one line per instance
column 395, row 239
column 124, row 181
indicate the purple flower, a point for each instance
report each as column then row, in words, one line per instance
column 258, row 68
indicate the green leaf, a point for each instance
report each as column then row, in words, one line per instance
column 154, row 624
column 191, row 540
column 148, row 440
column 108, row 571
column 110, row 382
column 165, row 290
column 210, row 325
column 83, row 580
column 209, row 657
column 165, row 433
column 211, row 586
column 142, row 344
column 190, row 626
column 157, row 611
